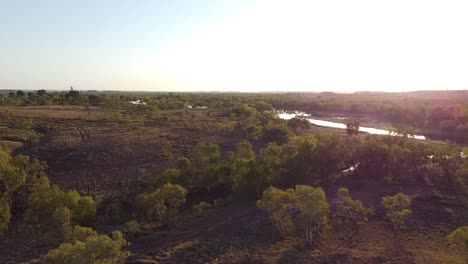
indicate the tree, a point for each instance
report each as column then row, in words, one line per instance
column 315, row 209
column 244, row 151
column 352, row 127
column 351, row 211
column 85, row 211
column 298, row 125
column 90, row 249
column 20, row 93
column 5, row 214
column 46, row 198
column 261, row 173
column 206, row 159
column 278, row 204
column 276, row 133
column 160, row 203
column 170, row 176
column 458, row 239
column 62, row 219
column 398, row 209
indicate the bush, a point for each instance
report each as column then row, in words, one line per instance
column 93, row 248
column 201, row 208
column 22, row 123
column 276, row 133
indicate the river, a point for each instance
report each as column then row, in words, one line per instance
column 323, row 123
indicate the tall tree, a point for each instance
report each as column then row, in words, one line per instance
column 278, row 204
column 398, row 209
column 315, row 210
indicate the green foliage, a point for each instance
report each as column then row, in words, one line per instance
column 184, row 164
column 201, row 207
column 458, row 240
column 397, row 208
column 252, row 131
column 352, row 127
column 310, row 159
column 5, row 214
column 22, row 123
column 172, row 176
column 90, row 248
column 85, row 211
column 254, row 176
column 277, row 133
column 46, row 198
column 298, row 125
column 206, row 158
column 157, row 204
column 243, row 111
column 62, row 220
column 11, row 175
column 277, row 203
column 315, row 210
column 244, row 151
column 352, row 211
column 131, row 226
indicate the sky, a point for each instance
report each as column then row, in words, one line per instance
column 234, row 45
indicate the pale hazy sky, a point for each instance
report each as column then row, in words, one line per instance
column 238, row 45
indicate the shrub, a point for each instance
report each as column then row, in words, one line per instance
column 201, row 208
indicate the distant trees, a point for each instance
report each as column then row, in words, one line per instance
column 298, row 125
column 397, row 209
column 276, row 133
column 352, row 127
column 458, row 240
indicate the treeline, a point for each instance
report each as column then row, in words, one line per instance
column 440, row 114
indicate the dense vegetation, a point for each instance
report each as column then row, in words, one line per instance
column 313, row 187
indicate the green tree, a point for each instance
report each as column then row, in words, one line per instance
column 398, row 209
column 350, row 211
column 62, row 219
column 171, row 176
column 352, row 127
column 277, row 133
column 244, row 151
column 315, row 210
column 206, row 159
column 458, row 240
column 161, row 203
column 254, row 176
column 278, row 203
column 298, row 125
column 5, row 214
column 85, row 212
column 201, row 207
column 92, row 249
column 46, row 198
